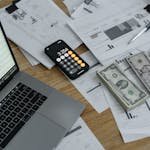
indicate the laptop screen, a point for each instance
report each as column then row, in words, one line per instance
column 7, row 63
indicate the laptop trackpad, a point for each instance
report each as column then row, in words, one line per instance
column 38, row 133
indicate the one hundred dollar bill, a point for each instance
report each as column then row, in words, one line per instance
column 140, row 64
column 126, row 92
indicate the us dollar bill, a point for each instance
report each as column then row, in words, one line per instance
column 140, row 64
column 126, row 92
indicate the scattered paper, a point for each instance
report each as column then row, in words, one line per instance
column 80, row 138
column 90, row 86
column 107, row 7
column 107, row 35
column 37, row 24
column 72, row 5
column 30, row 58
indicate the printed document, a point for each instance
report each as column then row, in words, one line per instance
column 107, row 37
column 107, row 7
column 90, row 86
column 80, row 138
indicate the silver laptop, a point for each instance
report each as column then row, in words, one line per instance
column 33, row 116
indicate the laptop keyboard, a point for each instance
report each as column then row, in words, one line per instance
column 16, row 109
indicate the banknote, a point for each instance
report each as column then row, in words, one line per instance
column 126, row 92
column 140, row 64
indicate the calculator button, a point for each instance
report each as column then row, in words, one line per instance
column 66, row 49
column 58, row 60
column 79, row 67
column 64, row 66
column 66, row 55
column 69, row 58
column 62, row 63
column 71, row 66
column 76, row 58
column 74, row 70
column 73, row 55
column 68, row 69
column 75, row 64
column 62, row 57
column 70, row 52
column 68, row 63
column 83, row 65
column 65, row 60
column 79, row 62
column 72, row 61
column 71, row 72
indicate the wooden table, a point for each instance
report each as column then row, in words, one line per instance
column 102, row 125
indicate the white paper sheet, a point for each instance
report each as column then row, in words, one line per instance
column 31, row 59
column 106, row 7
column 37, row 24
column 81, row 139
column 72, row 5
column 90, row 86
column 107, row 37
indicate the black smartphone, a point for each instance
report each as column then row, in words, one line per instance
column 70, row 63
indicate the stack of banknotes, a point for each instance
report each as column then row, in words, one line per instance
column 127, row 93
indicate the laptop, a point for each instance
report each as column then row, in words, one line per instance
column 33, row 116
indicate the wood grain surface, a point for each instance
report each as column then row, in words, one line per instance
column 102, row 125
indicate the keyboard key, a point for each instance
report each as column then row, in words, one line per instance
column 32, row 93
column 44, row 98
column 27, row 90
column 40, row 102
column 7, row 130
column 35, row 107
column 26, row 100
column 8, row 102
column 15, row 103
column 13, row 114
column 17, row 110
column 2, row 135
column 22, row 105
column 26, row 118
column 8, row 119
column 29, row 105
column 4, row 124
column 25, row 110
column 13, row 97
column 7, row 112
column 2, row 117
column 17, row 93
column 21, row 88
column 11, row 125
column 16, row 120
column 31, row 112
column 20, row 115
column 4, row 107
column 11, row 108
column 12, row 134
column 35, row 99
